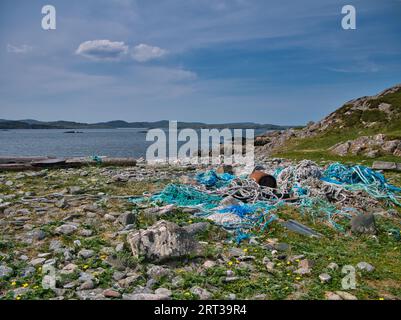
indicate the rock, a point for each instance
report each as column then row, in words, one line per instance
column 145, row 296
column 110, row 293
column 324, row 277
column 85, row 233
column 341, row 149
column 128, row 281
column 62, row 204
column 158, row 211
column 345, row 295
column 118, row 275
column 382, row 165
column 69, row 269
column 372, row 154
column 86, row 254
column 306, row 263
column 96, row 294
column 126, row 218
column 364, row 266
column 87, row 285
column 38, row 261
column 157, row 272
column 333, row 266
column 201, row 293
column 55, row 245
column 163, row 292
column 66, row 229
column 196, row 228
column 75, row 190
column 364, row 223
column 162, row 241
column 85, row 276
column 332, row 296
column 209, row 264
column 303, row 271
column 109, row 217
column 282, row 246
column 5, row 272
column 225, row 218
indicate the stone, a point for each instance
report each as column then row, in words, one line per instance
column 157, row 272
column 333, row 266
column 75, row 190
column 126, row 218
column 163, row 292
column 382, row 165
column 87, row 285
column 341, row 149
column 209, row 264
column 162, row 241
column 5, row 272
column 196, row 228
column 128, row 281
column 306, row 263
column 364, row 266
column 345, row 295
column 364, row 224
column 157, row 212
column 86, row 254
column 66, row 229
column 109, row 217
column 62, row 204
column 145, row 296
column 225, row 218
column 324, row 277
column 85, row 232
column 110, row 293
column 38, row 261
column 332, row 296
column 201, row 293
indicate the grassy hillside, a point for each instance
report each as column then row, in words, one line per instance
column 366, row 116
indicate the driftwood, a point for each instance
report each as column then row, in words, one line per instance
column 38, row 163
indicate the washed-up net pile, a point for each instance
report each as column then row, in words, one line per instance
column 241, row 206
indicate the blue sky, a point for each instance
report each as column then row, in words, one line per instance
column 282, row 62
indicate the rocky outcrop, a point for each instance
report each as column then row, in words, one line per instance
column 163, row 241
column 369, row 146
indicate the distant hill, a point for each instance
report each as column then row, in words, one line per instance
column 120, row 124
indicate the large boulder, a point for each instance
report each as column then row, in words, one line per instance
column 163, row 241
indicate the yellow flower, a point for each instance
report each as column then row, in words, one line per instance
column 289, row 262
column 190, row 221
column 36, row 287
column 279, row 264
column 18, row 298
column 245, row 250
column 381, row 298
column 297, row 260
column 230, row 263
column 298, row 278
column 288, row 274
column 40, row 269
column 187, row 293
column 25, row 285
column 13, row 283
column 85, row 266
column 103, row 257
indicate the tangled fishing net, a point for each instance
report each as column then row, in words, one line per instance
column 339, row 192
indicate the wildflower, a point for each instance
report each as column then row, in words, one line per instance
column 289, row 262
column 288, row 274
column 86, row 266
column 25, row 285
column 190, row 221
column 18, row 298
column 103, row 257
column 245, row 250
column 40, row 269
column 36, row 287
column 230, row 263
column 13, row 283
column 298, row 278
column 381, row 298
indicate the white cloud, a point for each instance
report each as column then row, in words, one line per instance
column 19, row 49
column 102, row 50
column 144, row 52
